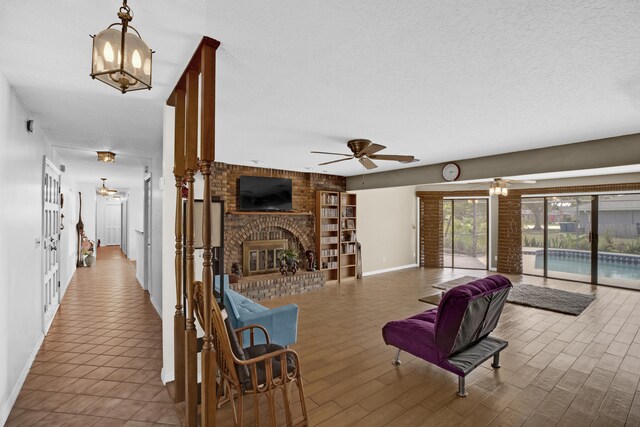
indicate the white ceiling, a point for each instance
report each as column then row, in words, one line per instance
column 126, row 172
column 440, row 80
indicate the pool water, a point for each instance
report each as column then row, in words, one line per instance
column 581, row 264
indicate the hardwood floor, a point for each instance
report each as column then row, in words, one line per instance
column 100, row 364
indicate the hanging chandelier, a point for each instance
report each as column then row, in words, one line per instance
column 104, row 191
column 498, row 188
column 121, row 58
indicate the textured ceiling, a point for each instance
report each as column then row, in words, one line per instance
column 440, row 80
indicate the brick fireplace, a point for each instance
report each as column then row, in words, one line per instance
column 296, row 227
column 295, row 231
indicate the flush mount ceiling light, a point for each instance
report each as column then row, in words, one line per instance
column 106, row 156
column 104, row 191
column 120, row 57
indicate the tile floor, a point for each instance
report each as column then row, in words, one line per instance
column 100, row 362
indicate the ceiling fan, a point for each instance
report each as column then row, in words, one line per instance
column 499, row 186
column 365, row 151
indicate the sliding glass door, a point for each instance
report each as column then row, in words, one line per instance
column 559, row 239
column 533, row 228
column 447, row 232
column 568, row 238
column 465, row 231
column 619, row 240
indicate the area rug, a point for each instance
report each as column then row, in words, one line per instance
column 536, row 296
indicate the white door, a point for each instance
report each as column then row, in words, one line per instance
column 112, row 223
column 50, row 242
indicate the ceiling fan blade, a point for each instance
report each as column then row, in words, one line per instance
column 518, row 181
column 367, row 163
column 334, row 154
column 333, row 161
column 399, row 158
column 372, row 148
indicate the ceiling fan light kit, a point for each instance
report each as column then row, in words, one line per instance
column 498, row 188
column 120, row 57
column 365, row 151
column 104, row 191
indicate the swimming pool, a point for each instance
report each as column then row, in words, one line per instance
column 611, row 265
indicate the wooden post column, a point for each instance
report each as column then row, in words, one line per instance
column 194, row 101
column 207, row 150
column 178, row 318
column 191, row 141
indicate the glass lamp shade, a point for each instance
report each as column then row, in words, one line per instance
column 128, row 72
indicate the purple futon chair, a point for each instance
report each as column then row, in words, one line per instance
column 455, row 335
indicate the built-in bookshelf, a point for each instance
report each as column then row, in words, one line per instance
column 328, row 233
column 348, row 237
column 336, row 235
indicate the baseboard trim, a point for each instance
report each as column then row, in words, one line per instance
column 5, row 410
column 156, row 306
column 166, row 377
column 387, row 270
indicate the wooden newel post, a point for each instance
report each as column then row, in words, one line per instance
column 193, row 101
column 191, row 141
column 207, row 148
column 178, row 318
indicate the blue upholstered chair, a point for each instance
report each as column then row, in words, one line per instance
column 280, row 322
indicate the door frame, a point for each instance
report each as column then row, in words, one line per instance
column 594, row 235
column 124, row 226
column 108, row 203
column 488, row 256
column 46, row 323
column 147, row 231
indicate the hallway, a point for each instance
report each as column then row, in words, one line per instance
column 100, row 363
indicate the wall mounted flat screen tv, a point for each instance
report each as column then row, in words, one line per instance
column 260, row 193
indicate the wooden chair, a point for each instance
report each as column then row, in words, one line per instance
column 259, row 369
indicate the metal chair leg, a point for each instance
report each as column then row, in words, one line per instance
column 462, row 392
column 397, row 361
column 496, row 361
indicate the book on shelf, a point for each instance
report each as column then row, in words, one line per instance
column 329, row 199
column 329, row 212
column 329, row 265
column 329, row 227
column 349, row 249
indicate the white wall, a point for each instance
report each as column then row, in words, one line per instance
column 155, row 284
column 68, row 242
column 386, row 223
column 21, row 160
column 88, row 210
column 168, row 251
column 135, row 216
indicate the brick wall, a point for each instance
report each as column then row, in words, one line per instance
column 225, row 184
column 275, row 285
column 431, row 232
column 509, row 234
column 298, row 228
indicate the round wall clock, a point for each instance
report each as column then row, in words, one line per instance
column 450, row 171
